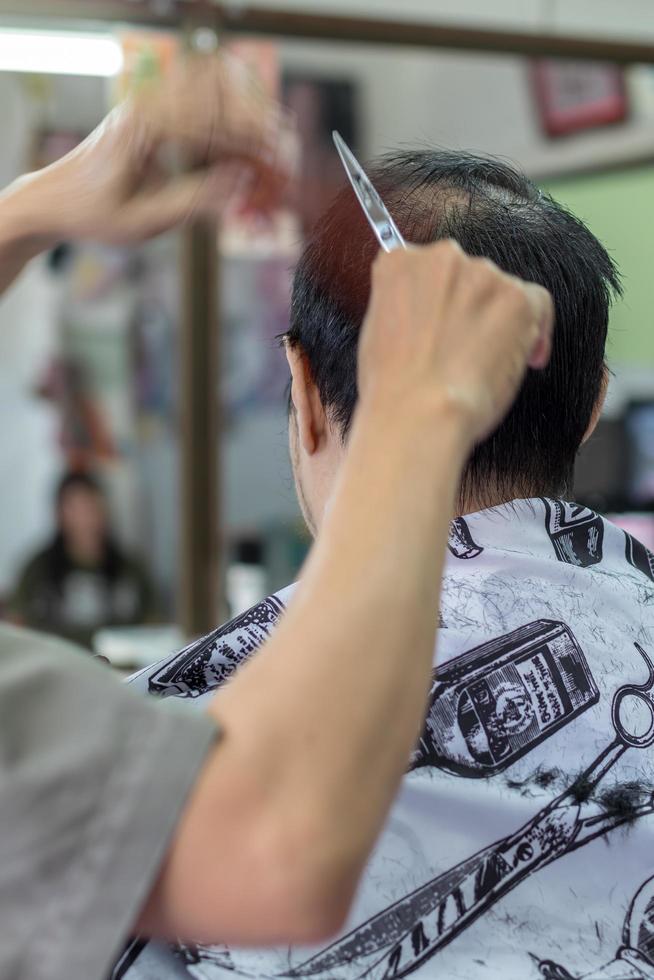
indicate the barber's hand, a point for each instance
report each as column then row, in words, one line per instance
column 447, row 332
column 124, row 183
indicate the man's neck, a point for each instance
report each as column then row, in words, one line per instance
column 471, row 503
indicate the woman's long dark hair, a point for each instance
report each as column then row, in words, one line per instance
column 56, row 554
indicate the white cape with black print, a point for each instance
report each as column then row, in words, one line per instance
column 521, row 844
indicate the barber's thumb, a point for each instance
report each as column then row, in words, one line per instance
column 542, row 307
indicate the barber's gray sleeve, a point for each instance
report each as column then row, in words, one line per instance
column 92, row 782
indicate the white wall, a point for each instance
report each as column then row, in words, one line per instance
column 470, row 101
column 29, row 462
column 629, row 19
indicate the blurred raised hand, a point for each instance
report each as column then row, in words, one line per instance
column 180, row 147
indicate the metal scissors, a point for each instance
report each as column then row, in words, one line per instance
column 385, row 229
column 407, row 933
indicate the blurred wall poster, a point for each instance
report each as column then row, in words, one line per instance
column 321, row 105
column 258, row 256
column 577, row 95
column 147, row 55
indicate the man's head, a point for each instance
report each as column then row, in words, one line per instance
column 492, row 211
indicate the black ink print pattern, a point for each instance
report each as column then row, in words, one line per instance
column 460, row 541
column 128, row 957
column 186, row 957
column 576, row 533
column 496, row 702
column 207, row 664
column 634, row 959
column 405, row 935
column 639, row 556
column 197, row 954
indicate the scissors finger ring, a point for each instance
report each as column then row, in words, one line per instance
column 642, row 693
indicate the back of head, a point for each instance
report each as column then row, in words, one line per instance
column 492, row 211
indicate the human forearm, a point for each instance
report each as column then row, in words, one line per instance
column 318, row 728
column 336, row 698
column 22, row 236
column 367, row 610
column 357, row 644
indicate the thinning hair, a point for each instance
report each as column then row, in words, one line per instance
column 494, row 211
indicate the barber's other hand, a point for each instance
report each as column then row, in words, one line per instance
column 124, row 183
column 447, row 332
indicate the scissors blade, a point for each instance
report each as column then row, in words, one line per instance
column 385, row 229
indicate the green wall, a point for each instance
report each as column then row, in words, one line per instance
column 619, row 208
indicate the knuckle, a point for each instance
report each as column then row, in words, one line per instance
column 450, row 246
column 445, row 261
column 398, row 259
column 485, row 267
column 387, row 265
column 483, row 274
column 448, row 251
column 378, row 263
column 516, row 297
column 545, row 299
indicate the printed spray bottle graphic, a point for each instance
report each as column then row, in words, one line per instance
column 496, row 702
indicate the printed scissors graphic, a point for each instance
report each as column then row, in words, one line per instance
column 409, row 932
column 633, row 960
column 385, row 229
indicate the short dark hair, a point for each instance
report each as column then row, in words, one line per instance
column 492, row 210
column 77, row 480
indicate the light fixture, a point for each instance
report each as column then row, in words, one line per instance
column 60, row 53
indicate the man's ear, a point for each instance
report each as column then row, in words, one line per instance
column 599, row 405
column 311, row 418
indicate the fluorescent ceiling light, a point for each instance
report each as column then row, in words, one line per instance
column 60, row 53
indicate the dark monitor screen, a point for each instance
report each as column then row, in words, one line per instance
column 639, row 432
column 600, row 471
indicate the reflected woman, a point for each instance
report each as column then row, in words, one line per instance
column 82, row 581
